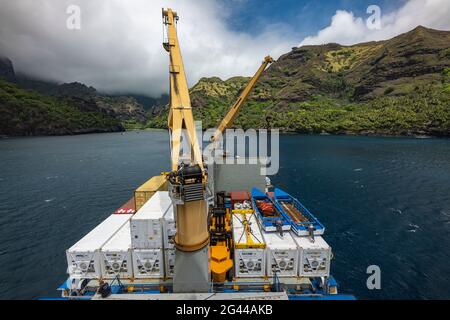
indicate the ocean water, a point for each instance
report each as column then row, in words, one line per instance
column 384, row 202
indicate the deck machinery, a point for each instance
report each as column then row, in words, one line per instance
column 205, row 245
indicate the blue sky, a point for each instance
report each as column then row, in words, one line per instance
column 302, row 17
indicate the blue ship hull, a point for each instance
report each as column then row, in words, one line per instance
column 146, row 291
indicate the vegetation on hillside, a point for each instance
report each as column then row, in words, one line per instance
column 399, row 86
column 426, row 111
column 26, row 112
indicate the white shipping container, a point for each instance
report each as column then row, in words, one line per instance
column 314, row 257
column 282, row 254
column 169, row 231
column 146, row 228
column 169, row 227
column 169, row 262
column 248, row 261
column 148, row 263
column 83, row 258
column 115, row 257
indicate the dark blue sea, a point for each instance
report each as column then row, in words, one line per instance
column 384, row 202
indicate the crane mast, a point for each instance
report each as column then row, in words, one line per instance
column 180, row 114
column 188, row 178
column 233, row 112
column 187, row 181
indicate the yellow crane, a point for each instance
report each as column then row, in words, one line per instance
column 233, row 112
column 180, row 114
column 187, row 180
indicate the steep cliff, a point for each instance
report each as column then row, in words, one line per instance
column 397, row 86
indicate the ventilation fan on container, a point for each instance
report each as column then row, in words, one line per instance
column 313, row 263
column 148, row 266
column 83, row 266
column 250, row 265
column 115, row 266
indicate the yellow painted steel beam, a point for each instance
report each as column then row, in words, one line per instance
column 180, row 114
column 250, row 244
column 192, row 225
column 233, row 112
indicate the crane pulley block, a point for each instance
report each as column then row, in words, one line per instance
column 186, row 184
column 169, row 42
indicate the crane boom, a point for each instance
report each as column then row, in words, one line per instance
column 180, row 114
column 187, row 180
column 233, row 112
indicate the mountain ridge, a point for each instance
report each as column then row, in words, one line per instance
column 398, row 86
column 103, row 113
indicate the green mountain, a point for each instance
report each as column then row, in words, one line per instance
column 35, row 107
column 27, row 112
column 399, row 86
column 123, row 108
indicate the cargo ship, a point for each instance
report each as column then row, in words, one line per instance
column 205, row 229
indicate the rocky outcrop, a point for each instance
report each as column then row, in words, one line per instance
column 87, row 98
column 122, row 108
column 76, row 90
column 6, row 69
column 399, row 65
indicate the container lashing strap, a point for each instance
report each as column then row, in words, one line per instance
column 119, row 283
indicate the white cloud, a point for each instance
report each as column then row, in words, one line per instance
column 118, row 48
column 347, row 29
column 119, row 45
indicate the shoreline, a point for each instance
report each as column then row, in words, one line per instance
column 347, row 133
column 419, row 136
